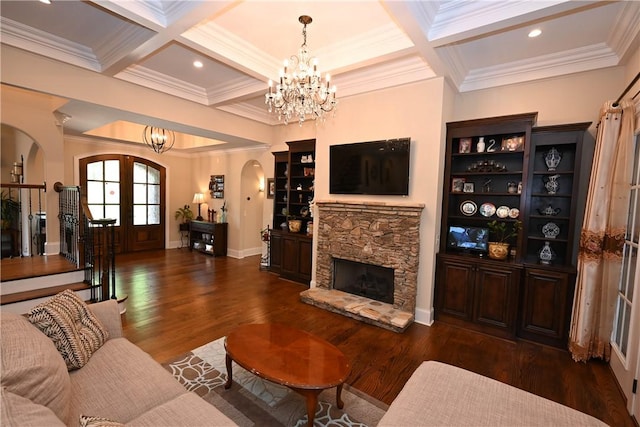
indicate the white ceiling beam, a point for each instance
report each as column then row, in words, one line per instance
column 168, row 25
column 461, row 20
column 416, row 18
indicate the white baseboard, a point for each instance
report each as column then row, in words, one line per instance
column 424, row 317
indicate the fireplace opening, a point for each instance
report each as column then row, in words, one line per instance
column 365, row 280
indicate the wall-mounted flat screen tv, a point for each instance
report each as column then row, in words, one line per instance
column 468, row 239
column 376, row 167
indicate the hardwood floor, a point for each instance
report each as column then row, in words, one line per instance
column 179, row 300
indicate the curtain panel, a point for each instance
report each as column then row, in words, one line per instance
column 603, row 233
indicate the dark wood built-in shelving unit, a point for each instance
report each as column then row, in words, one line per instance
column 521, row 296
column 294, row 170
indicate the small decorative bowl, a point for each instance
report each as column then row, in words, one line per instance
column 295, row 225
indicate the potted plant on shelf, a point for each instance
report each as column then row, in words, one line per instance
column 185, row 215
column 499, row 245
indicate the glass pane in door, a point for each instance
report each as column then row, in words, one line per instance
column 146, row 195
column 103, row 189
column 624, row 302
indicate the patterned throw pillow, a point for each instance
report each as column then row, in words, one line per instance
column 74, row 330
column 87, row 421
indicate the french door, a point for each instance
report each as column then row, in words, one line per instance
column 625, row 338
column 132, row 191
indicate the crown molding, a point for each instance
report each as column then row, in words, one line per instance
column 163, row 83
column 399, row 72
column 239, row 87
column 626, row 29
column 455, row 64
column 380, row 42
column 459, row 19
column 225, row 46
column 249, row 111
column 150, row 12
column 33, row 40
column 120, row 45
column 424, row 13
column 560, row 63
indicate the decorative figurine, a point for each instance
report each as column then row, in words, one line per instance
column 552, row 159
column 486, row 187
column 549, row 211
column 552, row 185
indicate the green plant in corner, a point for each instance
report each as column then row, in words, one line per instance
column 184, row 213
column 500, row 231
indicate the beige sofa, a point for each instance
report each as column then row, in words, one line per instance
column 443, row 395
column 120, row 382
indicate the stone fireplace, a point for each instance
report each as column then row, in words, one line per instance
column 378, row 234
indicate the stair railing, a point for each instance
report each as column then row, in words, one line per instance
column 23, row 219
column 71, row 219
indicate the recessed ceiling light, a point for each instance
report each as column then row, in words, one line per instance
column 197, row 64
column 535, row 33
column 45, row 1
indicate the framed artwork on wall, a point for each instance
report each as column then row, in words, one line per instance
column 216, row 186
column 271, row 188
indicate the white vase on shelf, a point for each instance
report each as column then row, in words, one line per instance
column 481, row 145
column 546, row 254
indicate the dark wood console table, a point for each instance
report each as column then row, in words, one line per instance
column 208, row 237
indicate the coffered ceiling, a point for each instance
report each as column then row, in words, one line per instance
column 366, row 45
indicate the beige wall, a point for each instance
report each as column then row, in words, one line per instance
column 419, row 111
column 407, row 111
column 569, row 99
column 231, row 165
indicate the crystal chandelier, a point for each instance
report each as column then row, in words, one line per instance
column 302, row 92
column 158, row 139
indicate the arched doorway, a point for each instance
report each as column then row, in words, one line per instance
column 27, row 237
column 131, row 190
column 252, row 203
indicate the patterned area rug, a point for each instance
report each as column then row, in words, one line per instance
column 252, row 401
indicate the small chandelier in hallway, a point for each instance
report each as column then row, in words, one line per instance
column 301, row 92
column 158, row 139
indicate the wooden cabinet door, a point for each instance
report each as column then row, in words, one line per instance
column 220, row 241
column 546, row 304
column 290, row 257
column 275, row 249
column 496, row 298
column 454, row 290
column 304, row 266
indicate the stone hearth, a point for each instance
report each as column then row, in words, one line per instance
column 381, row 234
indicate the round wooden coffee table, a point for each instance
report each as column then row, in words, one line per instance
column 288, row 356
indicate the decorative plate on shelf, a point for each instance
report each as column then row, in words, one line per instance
column 502, row 211
column 468, row 207
column 550, row 230
column 514, row 213
column 487, row 209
